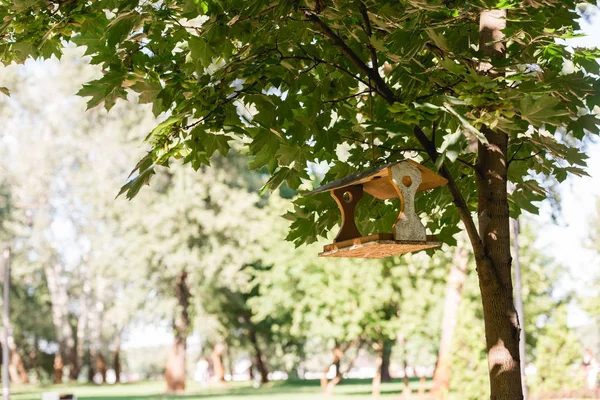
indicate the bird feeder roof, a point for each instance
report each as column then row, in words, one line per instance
column 377, row 181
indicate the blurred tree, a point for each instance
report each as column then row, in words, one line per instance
column 47, row 176
column 558, row 358
column 453, row 297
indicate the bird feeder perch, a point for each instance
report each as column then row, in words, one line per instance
column 403, row 180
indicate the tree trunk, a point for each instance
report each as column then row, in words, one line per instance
column 454, row 286
column 101, row 366
column 58, row 367
column 16, row 368
column 230, row 366
column 116, row 360
column 376, row 392
column 60, row 317
column 338, row 353
column 91, row 370
column 388, row 346
column 217, row 361
column 493, row 256
column 259, row 357
column 83, row 325
column 176, row 369
column 406, row 391
column 339, row 376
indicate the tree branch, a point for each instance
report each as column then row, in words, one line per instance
column 456, row 194
column 382, row 87
column 526, row 158
column 468, row 164
column 369, row 31
column 347, row 97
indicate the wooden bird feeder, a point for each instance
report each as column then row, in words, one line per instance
column 403, row 180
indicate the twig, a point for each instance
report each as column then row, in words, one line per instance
column 347, row 97
column 369, row 31
column 382, row 87
column 468, row 164
column 516, row 152
column 526, row 158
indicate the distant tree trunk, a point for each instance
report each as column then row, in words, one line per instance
column 379, row 348
column 101, row 366
column 338, row 353
column 217, row 361
column 60, row 317
column 454, row 286
column 388, row 346
column 175, row 373
column 94, row 321
column 339, row 374
column 16, row 368
column 58, row 367
column 259, row 356
column 229, row 358
column 83, row 325
column 406, row 391
column 91, row 369
column 116, row 359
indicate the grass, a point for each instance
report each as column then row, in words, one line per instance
column 351, row 389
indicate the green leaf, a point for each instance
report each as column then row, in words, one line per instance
column 147, row 89
column 4, row 90
column 106, row 89
column 264, row 147
column 120, row 27
column 216, row 142
column 542, row 110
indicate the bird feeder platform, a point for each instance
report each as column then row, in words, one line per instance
column 403, row 180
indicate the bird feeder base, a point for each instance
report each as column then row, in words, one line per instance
column 379, row 245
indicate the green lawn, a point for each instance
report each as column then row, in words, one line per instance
column 294, row 390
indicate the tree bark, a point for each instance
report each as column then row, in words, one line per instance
column 494, row 265
column 175, row 373
column 454, row 286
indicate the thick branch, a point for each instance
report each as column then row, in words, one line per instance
column 455, row 192
column 382, row 87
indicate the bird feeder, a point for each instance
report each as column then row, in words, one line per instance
column 403, row 180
